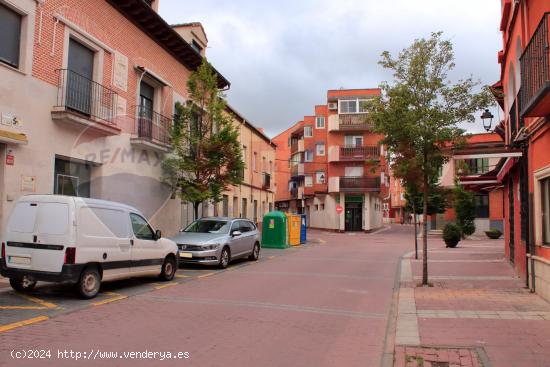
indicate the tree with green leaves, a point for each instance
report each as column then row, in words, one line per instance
column 206, row 154
column 465, row 210
column 418, row 114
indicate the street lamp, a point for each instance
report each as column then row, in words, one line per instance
column 487, row 118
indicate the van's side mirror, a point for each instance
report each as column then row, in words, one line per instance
column 158, row 234
column 236, row 233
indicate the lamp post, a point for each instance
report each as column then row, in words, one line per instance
column 487, row 118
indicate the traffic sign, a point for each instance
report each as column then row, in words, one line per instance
column 339, row 209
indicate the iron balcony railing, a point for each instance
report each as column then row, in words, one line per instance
column 359, row 183
column 534, row 65
column 76, row 93
column 356, row 121
column 350, row 153
column 152, row 126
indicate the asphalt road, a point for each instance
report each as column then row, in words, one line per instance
column 324, row 304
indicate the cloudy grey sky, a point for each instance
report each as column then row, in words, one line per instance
column 282, row 56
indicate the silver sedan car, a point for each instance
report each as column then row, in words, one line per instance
column 217, row 241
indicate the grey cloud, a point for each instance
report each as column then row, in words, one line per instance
column 281, row 57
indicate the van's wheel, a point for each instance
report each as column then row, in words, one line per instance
column 169, row 268
column 89, row 283
column 22, row 284
column 225, row 257
column 255, row 255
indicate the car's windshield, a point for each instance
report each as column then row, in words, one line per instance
column 208, row 226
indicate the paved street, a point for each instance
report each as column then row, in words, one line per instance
column 324, row 304
column 341, row 300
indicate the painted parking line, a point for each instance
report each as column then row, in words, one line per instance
column 205, row 275
column 162, row 286
column 116, row 297
column 182, row 276
column 37, row 300
column 17, row 324
column 22, row 308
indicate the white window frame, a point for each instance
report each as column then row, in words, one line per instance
column 309, row 129
column 308, row 181
column 539, row 175
column 320, row 122
column 306, row 156
column 358, row 102
column 317, row 146
column 27, row 11
column 354, row 139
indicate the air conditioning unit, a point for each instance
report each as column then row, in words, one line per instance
column 333, row 106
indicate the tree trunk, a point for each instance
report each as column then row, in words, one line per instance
column 425, row 226
column 196, row 209
column 415, row 233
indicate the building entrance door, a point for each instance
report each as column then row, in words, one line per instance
column 354, row 217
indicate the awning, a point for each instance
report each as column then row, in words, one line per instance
column 10, row 137
column 506, row 167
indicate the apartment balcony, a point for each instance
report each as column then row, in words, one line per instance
column 535, row 73
column 297, row 146
column 152, row 130
column 297, row 193
column 297, row 170
column 353, row 153
column 84, row 103
column 266, row 181
column 349, row 122
column 353, row 184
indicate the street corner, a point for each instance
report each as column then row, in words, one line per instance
column 433, row 356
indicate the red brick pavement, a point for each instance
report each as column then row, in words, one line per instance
column 513, row 342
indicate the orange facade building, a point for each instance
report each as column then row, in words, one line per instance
column 331, row 165
column 523, row 92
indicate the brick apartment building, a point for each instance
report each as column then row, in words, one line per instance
column 333, row 159
column 523, row 92
column 87, row 94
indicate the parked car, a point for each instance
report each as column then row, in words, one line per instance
column 217, row 241
column 56, row 238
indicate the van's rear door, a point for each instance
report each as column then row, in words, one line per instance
column 37, row 235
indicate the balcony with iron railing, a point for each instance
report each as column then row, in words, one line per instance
column 354, row 184
column 85, row 103
column 296, row 146
column 535, row 73
column 297, row 170
column 152, row 130
column 353, row 153
column 349, row 122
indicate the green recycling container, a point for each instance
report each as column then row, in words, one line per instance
column 274, row 230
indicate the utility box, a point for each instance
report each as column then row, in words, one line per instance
column 294, row 224
column 303, row 229
column 275, row 230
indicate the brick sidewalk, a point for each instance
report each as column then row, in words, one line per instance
column 476, row 307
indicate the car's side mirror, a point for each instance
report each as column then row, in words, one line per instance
column 158, row 234
column 236, row 233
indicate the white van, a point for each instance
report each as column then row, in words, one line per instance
column 57, row 238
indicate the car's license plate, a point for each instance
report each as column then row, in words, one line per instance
column 19, row 260
column 186, row 254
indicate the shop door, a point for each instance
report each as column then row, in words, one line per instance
column 354, row 217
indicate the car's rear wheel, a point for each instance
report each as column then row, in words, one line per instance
column 22, row 284
column 89, row 283
column 255, row 255
column 225, row 257
column 168, row 269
